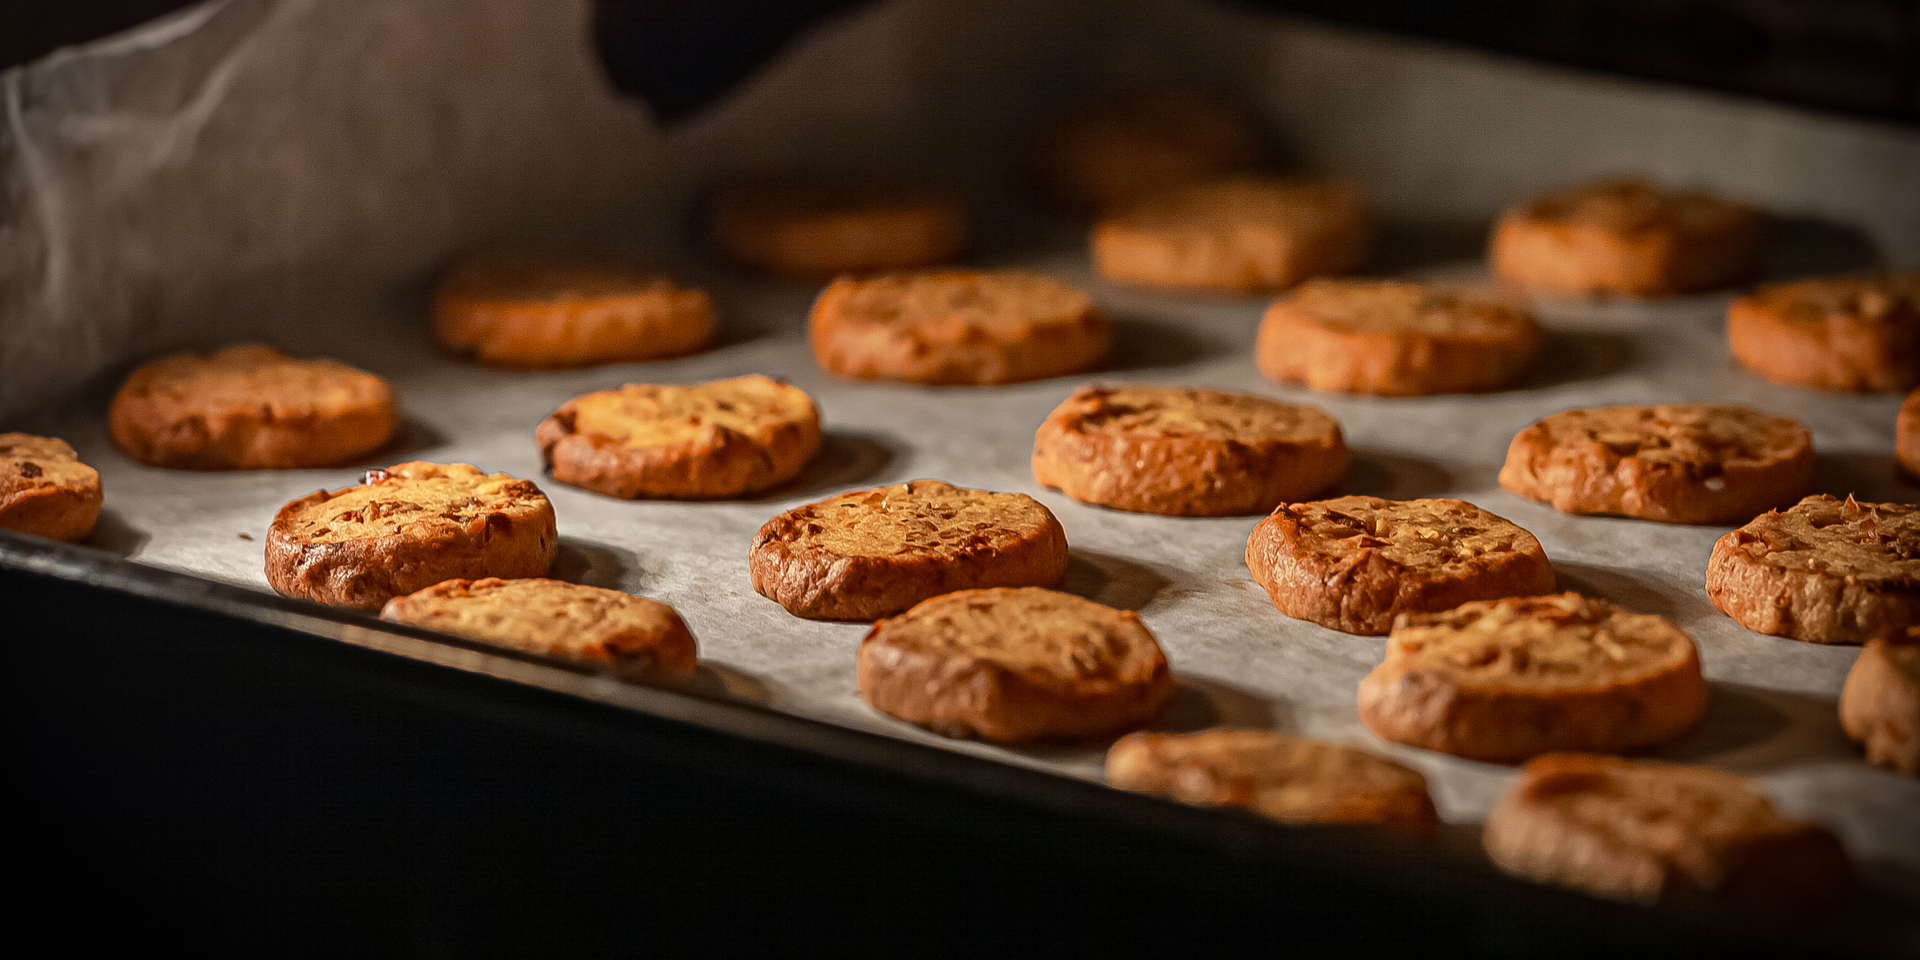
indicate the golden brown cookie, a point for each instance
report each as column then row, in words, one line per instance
column 1290, row 779
column 1824, row 571
column 1645, row 832
column 546, row 312
column 1626, row 237
column 1355, row 563
column 1504, row 680
column 817, row 230
column 250, row 408
column 45, row 490
column 1880, row 705
column 1675, row 463
column 1015, row 666
column 867, row 554
column 1126, row 148
column 1906, row 434
column 723, row 438
column 956, row 327
column 1240, row 236
column 1186, row 452
column 406, row 528
column 633, row 635
column 1833, row 333
column 1393, row 338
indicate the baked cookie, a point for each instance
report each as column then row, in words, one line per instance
column 1290, row 779
column 45, row 490
column 724, row 438
column 1833, row 333
column 1675, row 463
column 1240, row 236
column 1880, row 705
column 1824, row 571
column 956, row 327
column 817, row 230
column 544, row 313
column 1626, row 237
column 1356, row 563
column 1126, row 148
column 1393, row 338
column 1015, row 666
column 1504, row 680
column 406, row 528
column 1906, row 434
column 250, row 408
column 1186, row 452
column 867, row 554
column 1645, row 832
column 633, row 635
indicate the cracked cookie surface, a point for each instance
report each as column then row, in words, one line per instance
column 45, row 490
column 1627, row 237
column 1824, row 570
column 632, row 635
column 1289, row 779
column 543, row 312
column 1394, row 338
column 1859, row 333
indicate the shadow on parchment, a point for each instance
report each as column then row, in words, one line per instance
column 1200, row 703
column 113, row 534
column 1412, row 247
column 1377, row 473
column 1874, row 477
column 591, row 564
column 409, row 441
column 1569, row 357
column 1114, row 581
column 1141, row 344
column 1617, row 587
column 718, row 679
column 1798, row 247
column 845, row 460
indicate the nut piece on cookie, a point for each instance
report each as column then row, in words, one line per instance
column 547, row 312
column 1504, row 680
column 633, row 635
column 1186, row 452
column 868, row 554
column 1675, row 463
column 724, row 438
column 45, row 490
column 956, row 327
column 406, row 528
column 1626, row 237
column 1833, row 333
column 1126, row 148
column 813, row 231
column 1290, row 779
column 1356, row 563
column 1394, row 338
column 250, row 408
column 1647, row 832
column 1880, row 705
column 1823, row 571
column 1238, row 236
column 1015, row 666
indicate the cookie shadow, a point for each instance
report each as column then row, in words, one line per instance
column 409, row 440
column 1377, row 473
column 1875, row 477
column 1410, row 247
column 113, row 534
column 1200, row 703
column 719, row 680
column 1809, row 246
column 1571, row 357
column 590, row 564
column 1617, row 587
column 1114, row 581
column 1753, row 730
column 846, row 459
column 1142, row 344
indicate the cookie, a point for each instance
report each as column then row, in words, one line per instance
column 250, row 408
column 723, row 438
column 1880, row 705
column 1647, row 832
column 545, row 313
column 1290, row 779
column 818, row 230
column 956, row 327
column 1505, row 680
column 1126, row 148
column 1626, row 237
column 633, row 635
column 867, row 554
column 1186, row 452
column 406, row 528
column 1675, row 463
column 1906, row 434
column 1393, row 338
column 1356, row 563
column 1015, row 666
column 1824, row 571
column 45, row 490
column 1242, row 235
column 1857, row 333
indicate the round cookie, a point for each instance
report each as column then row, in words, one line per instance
column 1289, row 779
column 1824, row 571
column 1242, row 235
column 1675, row 463
column 1504, row 680
column 406, row 528
column 545, row 313
column 1393, row 338
column 1880, row 705
column 1015, row 666
column 1124, row 149
column 956, row 327
column 634, row 635
column 1626, row 237
column 1833, row 333
column 723, row 438
column 1356, row 563
column 815, row 231
column 1906, row 434
column 1186, row 452
column 250, row 408
column 45, row 490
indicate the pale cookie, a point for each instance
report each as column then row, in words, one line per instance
column 45, row 490
column 1824, row 571
column 250, row 408
column 724, row 438
column 1675, row 463
column 633, row 635
column 1238, row 236
column 1186, row 452
column 1015, row 666
column 1124, row 149
column 545, row 313
column 815, row 231
column 406, row 528
column 1290, row 779
column 1834, row 333
column 1626, row 237
column 1393, row 338
column 1504, row 680
column 956, row 327
column 1356, row 563
column 1906, row 434
column 1880, row 705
